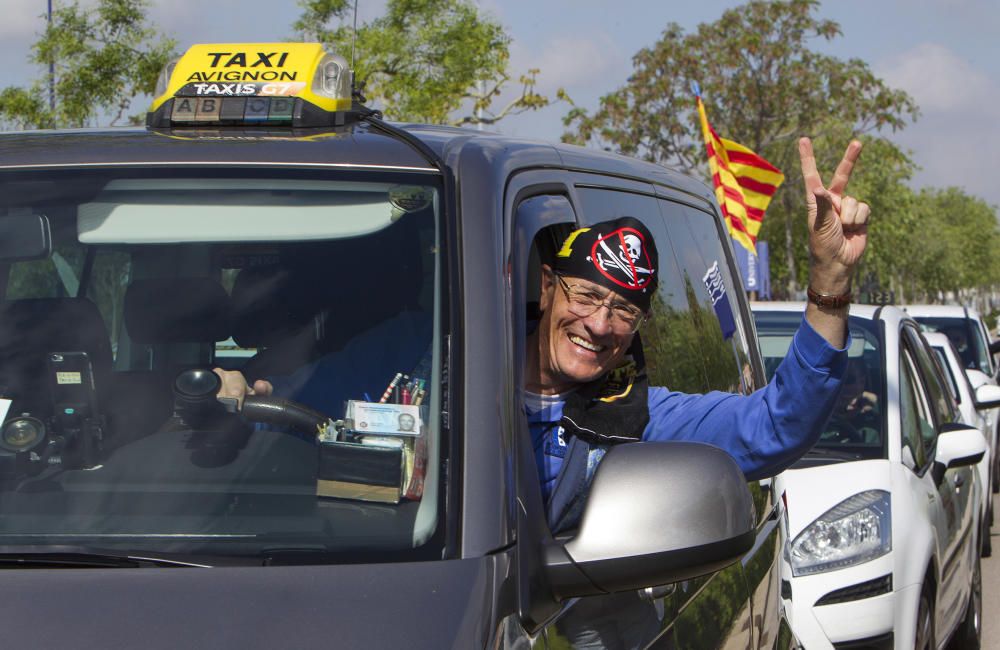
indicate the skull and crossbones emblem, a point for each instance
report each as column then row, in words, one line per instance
column 633, row 246
column 628, row 266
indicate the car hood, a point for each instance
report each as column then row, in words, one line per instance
column 809, row 492
column 436, row 604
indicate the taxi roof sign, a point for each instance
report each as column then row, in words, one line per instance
column 298, row 84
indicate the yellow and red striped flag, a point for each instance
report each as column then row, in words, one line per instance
column 744, row 183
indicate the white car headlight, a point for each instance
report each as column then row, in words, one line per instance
column 856, row 530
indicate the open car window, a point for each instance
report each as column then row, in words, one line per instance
column 328, row 289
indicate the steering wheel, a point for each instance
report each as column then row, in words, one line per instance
column 196, row 403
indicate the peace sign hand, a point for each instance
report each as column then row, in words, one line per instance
column 838, row 224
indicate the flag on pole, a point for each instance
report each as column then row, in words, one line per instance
column 744, row 182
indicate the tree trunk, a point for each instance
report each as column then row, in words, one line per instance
column 792, row 286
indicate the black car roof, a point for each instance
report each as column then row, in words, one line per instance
column 357, row 146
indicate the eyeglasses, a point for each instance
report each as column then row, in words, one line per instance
column 583, row 302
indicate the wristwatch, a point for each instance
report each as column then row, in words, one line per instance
column 827, row 300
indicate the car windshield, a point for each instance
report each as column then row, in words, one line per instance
column 964, row 335
column 325, row 285
column 856, row 427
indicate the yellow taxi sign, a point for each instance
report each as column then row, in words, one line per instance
column 240, row 83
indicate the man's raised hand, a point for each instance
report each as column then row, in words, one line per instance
column 838, row 223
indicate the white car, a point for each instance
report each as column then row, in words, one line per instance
column 970, row 337
column 973, row 404
column 881, row 516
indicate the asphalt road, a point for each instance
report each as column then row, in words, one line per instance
column 991, row 589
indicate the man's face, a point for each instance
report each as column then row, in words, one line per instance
column 576, row 349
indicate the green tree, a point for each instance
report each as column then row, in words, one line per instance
column 103, row 58
column 426, row 60
column 894, row 242
column 763, row 87
column 958, row 237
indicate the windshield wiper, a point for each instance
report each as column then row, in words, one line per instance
column 34, row 558
column 826, row 452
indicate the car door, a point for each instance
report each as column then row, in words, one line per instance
column 688, row 347
column 915, row 419
column 706, row 612
column 954, row 508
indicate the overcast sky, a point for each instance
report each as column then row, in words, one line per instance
column 942, row 52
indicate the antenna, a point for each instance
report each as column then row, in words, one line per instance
column 354, row 36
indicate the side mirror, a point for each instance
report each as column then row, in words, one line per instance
column 25, row 237
column 987, row 396
column 995, row 347
column 958, row 445
column 657, row 512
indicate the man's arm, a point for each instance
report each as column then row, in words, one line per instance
column 838, row 234
column 769, row 429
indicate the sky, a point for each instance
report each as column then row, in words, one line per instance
column 942, row 52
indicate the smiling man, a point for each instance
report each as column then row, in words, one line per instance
column 585, row 381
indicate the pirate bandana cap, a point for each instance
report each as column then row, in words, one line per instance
column 618, row 254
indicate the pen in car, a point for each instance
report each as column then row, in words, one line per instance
column 397, row 397
column 390, row 387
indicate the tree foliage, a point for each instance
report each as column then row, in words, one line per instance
column 425, row 60
column 763, row 86
column 103, row 58
column 957, row 237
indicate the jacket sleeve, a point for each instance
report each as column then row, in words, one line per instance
column 769, row 429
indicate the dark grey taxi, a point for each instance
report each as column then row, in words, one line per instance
column 139, row 511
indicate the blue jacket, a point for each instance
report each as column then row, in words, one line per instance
column 765, row 431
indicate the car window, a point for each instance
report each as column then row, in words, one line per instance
column 986, row 361
column 916, row 424
column 942, row 360
column 58, row 276
column 328, row 288
column 932, row 398
column 545, row 220
column 939, row 396
column 541, row 223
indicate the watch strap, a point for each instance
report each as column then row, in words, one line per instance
column 827, row 300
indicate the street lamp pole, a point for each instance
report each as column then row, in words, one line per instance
column 52, row 67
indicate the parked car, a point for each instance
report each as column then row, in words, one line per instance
column 971, row 404
column 970, row 337
column 278, row 229
column 881, row 516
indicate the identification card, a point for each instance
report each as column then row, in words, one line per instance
column 391, row 419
